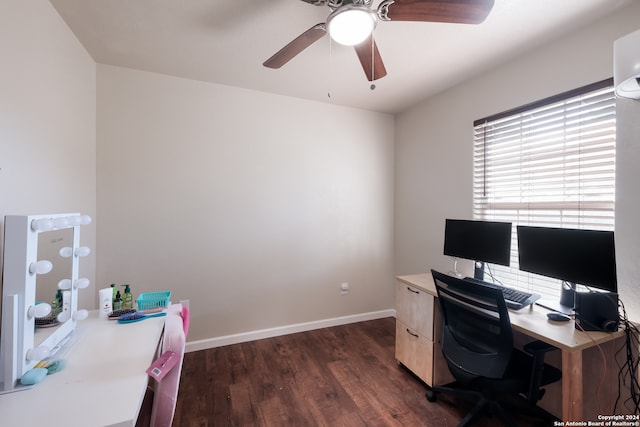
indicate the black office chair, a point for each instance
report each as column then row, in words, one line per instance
column 477, row 342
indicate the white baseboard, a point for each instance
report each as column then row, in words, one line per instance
column 284, row 330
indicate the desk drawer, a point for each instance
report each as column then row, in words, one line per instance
column 414, row 351
column 414, row 308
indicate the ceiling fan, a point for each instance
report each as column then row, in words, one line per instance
column 351, row 22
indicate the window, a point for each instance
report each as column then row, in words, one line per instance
column 550, row 163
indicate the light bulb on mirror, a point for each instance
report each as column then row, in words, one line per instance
column 61, row 222
column 37, row 353
column 66, row 252
column 82, row 251
column 63, row 316
column 81, row 283
column 38, row 310
column 40, row 267
column 80, row 314
column 42, row 224
column 85, row 220
column 64, row 284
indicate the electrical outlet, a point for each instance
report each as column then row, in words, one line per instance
column 344, row 288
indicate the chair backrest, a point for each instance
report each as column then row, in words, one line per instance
column 166, row 391
column 477, row 339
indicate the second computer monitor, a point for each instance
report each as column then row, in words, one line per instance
column 577, row 256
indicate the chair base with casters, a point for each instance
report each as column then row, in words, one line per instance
column 494, row 396
column 477, row 343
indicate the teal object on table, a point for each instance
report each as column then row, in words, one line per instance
column 33, row 376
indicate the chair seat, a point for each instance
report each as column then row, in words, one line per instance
column 516, row 378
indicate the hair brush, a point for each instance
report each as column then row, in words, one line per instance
column 137, row 316
column 116, row 314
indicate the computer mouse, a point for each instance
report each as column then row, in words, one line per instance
column 558, row 317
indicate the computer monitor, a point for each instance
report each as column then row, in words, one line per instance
column 575, row 256
column 479, row 241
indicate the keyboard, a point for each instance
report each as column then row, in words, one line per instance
column 514, row 298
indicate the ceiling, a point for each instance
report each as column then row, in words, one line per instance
column 226, row 42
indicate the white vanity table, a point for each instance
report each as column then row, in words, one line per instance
column 104, row 379
column 103, row 383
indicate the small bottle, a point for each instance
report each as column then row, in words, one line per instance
column 59, row 298
column 117, row 303
column 56, row 304
column 106, row 307
column 127, row 298
column 114, row 290
column 65, row 304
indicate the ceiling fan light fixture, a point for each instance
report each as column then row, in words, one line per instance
column 351, row 24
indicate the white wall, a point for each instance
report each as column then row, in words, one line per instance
column 255, row 207
column 47, row 119
column 628, row 203
column 434, row 146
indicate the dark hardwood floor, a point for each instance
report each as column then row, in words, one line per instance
column 340, row 376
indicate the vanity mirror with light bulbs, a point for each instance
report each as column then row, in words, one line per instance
column 39, row 290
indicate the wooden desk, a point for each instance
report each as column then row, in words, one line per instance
column 103, row 384
column 534, row 323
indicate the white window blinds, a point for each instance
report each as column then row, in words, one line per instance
column 550, row 163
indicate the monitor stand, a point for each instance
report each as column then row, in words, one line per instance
column 566, row 302
column 478, row 270
column 455, row 272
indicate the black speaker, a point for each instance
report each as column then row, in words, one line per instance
column 597, row 311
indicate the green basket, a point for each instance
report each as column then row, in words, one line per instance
column 150, row 300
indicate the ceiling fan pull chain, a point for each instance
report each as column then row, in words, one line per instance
column 329, row 73
column 373, row 60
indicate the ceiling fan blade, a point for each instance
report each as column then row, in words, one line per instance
column 455, row 11
column 364, row 51
column 316, row 2
column 296, row 46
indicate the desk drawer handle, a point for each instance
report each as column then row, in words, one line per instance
column 412, row 334
column 411, row 290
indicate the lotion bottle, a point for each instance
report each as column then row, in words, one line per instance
column 66, row 302
column 117, row 303
column 56, row 305
column 127, row 298
column 105, row 302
